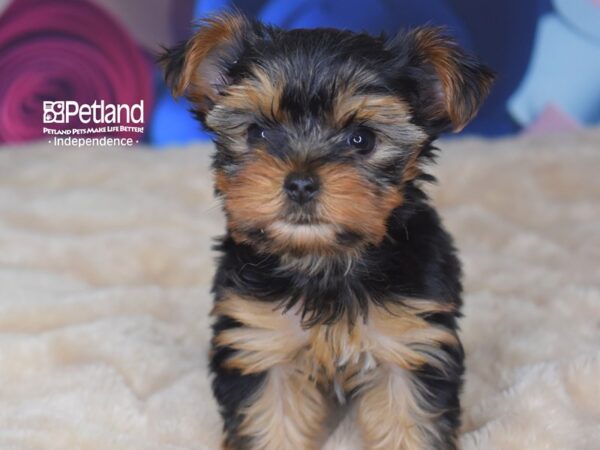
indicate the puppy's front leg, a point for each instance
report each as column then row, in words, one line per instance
column 284, row 412
column 411, row 401
column 390, row 414
column 267, row 399
column 287, row 412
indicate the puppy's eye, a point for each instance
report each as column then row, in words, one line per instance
column 363, row 140
column 256, row 133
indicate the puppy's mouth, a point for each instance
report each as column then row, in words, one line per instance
column 304, row 228
column 301, row 214
column 301, row 221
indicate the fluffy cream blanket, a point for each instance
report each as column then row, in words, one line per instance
column 105, row 267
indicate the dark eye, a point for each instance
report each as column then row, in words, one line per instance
column 363, row 140
column 256, row 133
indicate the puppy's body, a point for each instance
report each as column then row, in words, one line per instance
column 337, row 282
column 386, row 341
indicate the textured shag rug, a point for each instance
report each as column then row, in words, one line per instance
column 105, row 267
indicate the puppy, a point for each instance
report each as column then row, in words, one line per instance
column 336, row 282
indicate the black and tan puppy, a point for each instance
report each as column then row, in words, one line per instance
column 336, row 282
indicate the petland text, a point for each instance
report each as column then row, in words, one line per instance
column 63, row 111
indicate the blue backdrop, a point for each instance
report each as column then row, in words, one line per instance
column 502, row 33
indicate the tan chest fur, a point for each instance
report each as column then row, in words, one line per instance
column 342, row 354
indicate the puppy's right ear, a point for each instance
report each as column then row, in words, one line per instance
column 197, row 68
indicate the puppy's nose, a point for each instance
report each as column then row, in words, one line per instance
column 301, row 187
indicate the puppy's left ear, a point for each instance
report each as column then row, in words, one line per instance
column 453, row 84
column 197, row 68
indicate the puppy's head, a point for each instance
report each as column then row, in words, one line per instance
column 319, row 132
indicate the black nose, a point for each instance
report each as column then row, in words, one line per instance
column 301, row 187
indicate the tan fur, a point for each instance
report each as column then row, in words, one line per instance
column 352, row 202
column 286, row 413
column 241, row 103
column 267, row 339
column 347, row 202
column 385, row 109
column 313, row 264
column 214, row 34
column 391, row 415
column 388, row 114
column 445, row 58
column 376, row 357
column 259, row 94
column 394, row 334
column 254, row 196
column 438, row 53
column 289, row 411
column 411, row 169
column 304, row 239
column 255, row 200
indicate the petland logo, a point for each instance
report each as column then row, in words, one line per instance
column 99, row 113
column 99, row 120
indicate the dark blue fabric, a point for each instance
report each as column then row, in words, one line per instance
column 500, row 32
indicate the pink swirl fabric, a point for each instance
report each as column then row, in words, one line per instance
column 65, row 50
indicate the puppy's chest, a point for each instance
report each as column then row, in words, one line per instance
column 338, row 354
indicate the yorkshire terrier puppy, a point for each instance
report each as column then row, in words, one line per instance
column 336, row 282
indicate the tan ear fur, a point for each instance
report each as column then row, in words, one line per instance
column 197, row 68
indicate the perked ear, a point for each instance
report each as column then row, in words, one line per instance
column 460, row 81
column 197, row 68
